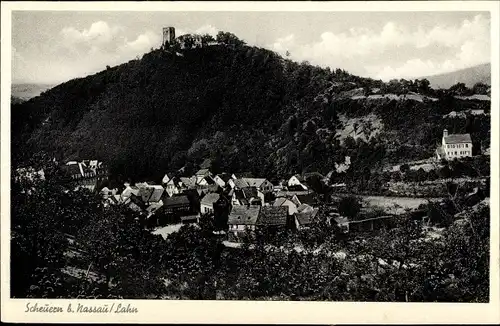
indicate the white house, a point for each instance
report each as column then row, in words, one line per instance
column 207, row 203
column 297, row 180
column 201, row 174
column 223, row 179
column 173, row 186
column 292, row 208
column 259, row 183
column 241, row 220
column 454, row 146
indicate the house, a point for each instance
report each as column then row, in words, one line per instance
column 305, row 219
column 82, row 174
column 222, row 179
column 260, row 183
column 454, row 146
column 318, row 175
column 247, row 196
column 201, row 174
column 242, row 222
column 241, row 175
column 304, row 208
column 341, row 223
column 282, row 201
column 128, row 191
column 166, row 178
column 156, row 194
column 304, row 199
column 206, row 181
column 297, row 181
column 207, row 203
column 238, row 184
column 173, row 186
column 343, row 166
column 188, row 183
column 179, row 205
column 274, row 217
column 371, row 224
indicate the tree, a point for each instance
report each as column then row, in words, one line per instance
column 207, row 38
column 349, row 207
column 480, row 88
column 228, row 39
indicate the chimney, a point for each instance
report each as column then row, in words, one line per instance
column 445, row 133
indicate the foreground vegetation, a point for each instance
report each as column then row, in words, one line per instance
column 124, row 260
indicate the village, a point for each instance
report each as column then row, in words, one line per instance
column 240, row 204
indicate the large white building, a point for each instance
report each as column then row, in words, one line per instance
column 454, row 146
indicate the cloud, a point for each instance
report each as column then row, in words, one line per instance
column 98, row 33
column 396, row 51
column 207, row 29
column 143, row 43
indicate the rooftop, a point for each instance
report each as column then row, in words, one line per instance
column 254, row 182
column 210, row 199
column 458, row 138
column 176, row 200
column 273, row 215
column 305, row 218
column 244, row 215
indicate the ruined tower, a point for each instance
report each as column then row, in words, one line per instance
column 168, row 36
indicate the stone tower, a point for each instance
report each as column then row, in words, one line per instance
column 168, row 36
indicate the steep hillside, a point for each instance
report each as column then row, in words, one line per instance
column 245, row 108
column 468, row 76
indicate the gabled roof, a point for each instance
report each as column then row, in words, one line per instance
column 188, row 182
column 72, row 169
column 240, row 183
column 244, row 215
column 174, row 181
column 176, row 201
column 281, row 201
column 306, row 199
column 458, row 138
column 145, row 193
column 203, row 172
column 157, row 193
column 240, row 175
column 224, row 176
column 254, row 182
column 296, row 188
column 250, row 192
column 313, row 174
column 166, row 178
column 299, row 177
column 304, row 208
column 209, row 180
column 210, row 199
column 306, row 218
column 273, row 215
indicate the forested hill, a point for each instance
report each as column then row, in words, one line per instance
column 245, row 108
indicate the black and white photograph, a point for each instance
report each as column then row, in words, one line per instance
column 319, row 156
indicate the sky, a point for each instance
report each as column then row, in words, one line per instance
column 56, row 46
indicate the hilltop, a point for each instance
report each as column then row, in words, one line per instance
column 468, row 76
column 244, row 108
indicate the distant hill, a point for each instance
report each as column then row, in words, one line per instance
column 27, row 91
column 468, row 76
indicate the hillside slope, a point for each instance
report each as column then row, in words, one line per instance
column 245, row 108
column 468, row 76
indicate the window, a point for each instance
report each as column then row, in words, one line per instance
column 467, row 145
